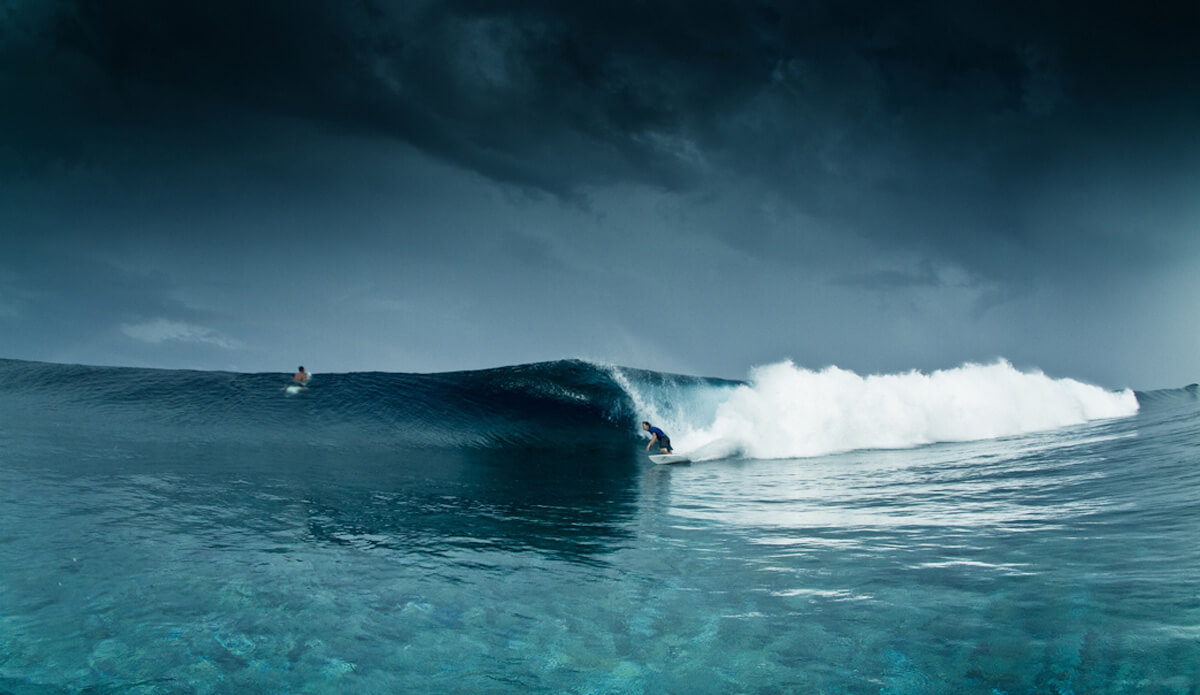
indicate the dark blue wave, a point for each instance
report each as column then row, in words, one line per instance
column 549, row 404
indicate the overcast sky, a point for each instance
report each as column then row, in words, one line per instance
column 686, row 186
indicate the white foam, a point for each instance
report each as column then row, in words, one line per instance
column 787, row 411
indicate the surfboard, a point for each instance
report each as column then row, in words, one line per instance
column 297, row 386
column 669, row 458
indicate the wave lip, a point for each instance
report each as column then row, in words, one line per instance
column 787, row 411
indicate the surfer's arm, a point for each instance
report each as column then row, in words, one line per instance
column 653, row 438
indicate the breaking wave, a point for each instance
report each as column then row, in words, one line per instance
column 781, row 411
column 786, row 411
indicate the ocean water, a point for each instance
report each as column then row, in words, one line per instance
column 977, row 530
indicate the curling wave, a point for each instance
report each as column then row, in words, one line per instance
column 782, row 411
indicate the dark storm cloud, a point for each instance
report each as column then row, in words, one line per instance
column 923, row 126
column 492, row 83
column 517, row 101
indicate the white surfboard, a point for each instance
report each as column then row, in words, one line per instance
column 298, row 386
column 669, row 458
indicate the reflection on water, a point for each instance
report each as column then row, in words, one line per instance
column 1062, row 562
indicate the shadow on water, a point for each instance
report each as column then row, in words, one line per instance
column 566, row 505
column 562, row 504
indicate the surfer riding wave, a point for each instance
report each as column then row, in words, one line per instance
column 657, row 435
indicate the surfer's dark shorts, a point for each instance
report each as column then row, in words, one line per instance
column 665, row 443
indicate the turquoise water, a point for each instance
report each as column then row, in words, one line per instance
column 136, row 559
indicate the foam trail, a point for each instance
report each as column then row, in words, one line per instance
column 786, row 411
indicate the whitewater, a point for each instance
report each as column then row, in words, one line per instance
column 786, row 411
column 977, row 529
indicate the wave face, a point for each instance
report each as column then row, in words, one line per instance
column 532, row 405
column 782, row 411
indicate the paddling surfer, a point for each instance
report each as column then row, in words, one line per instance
column 657, row 435
column 301, row 377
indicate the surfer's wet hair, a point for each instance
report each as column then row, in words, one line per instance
column 645, row 423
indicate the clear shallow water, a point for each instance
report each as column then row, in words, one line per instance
column 138, row 560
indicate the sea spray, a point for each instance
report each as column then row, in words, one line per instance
column 788, row 411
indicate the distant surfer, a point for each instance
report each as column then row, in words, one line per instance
column 657, row 435
column 301, row 377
